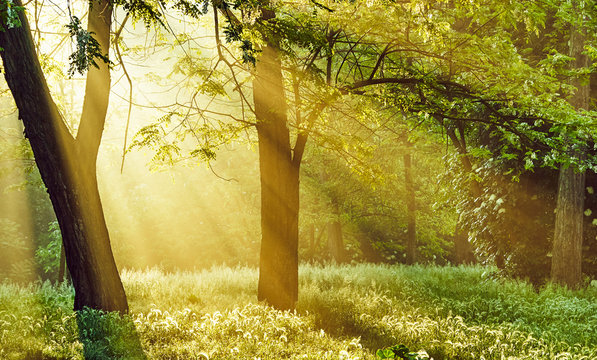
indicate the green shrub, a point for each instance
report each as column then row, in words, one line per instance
column 108, row 336
column 400, row 352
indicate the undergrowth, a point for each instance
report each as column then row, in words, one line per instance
column 344, row 312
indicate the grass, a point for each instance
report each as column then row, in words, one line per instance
column 344, row 312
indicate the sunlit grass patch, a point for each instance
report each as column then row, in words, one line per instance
column 202, row 291
column 37, row 322
column 249, row 332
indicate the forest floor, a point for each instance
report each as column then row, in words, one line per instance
column 343, row 312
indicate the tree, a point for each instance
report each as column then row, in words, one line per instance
column 279, row 172
column 279, row 162
column 411, row 243
column 469, row 76
column 566, row 263
column 67, row 163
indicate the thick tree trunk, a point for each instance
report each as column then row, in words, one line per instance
column 278, row 267
column 567, row 245
column 67, row 165
column 566, row 262
column 411, row 237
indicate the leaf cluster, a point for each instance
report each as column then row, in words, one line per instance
column 147, row 11
column 193, row 9
column 9, row 15
column 87, row 49
column 48, row 256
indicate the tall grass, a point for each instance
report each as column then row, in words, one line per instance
column 203, row 291
column 469, row 292
column 344, row 312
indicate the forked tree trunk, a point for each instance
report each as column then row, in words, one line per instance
column 566, row 261
column 68, row 165
column 278, row 264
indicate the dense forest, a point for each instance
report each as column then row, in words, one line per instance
column 260, row 179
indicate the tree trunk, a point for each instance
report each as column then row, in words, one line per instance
column 312, row 244
column 566, row 261
column 411, row 237
column 61, row 266
column 462, row 246
column 68, row 165
column 278, row 266
column 335, row 242
column 567, row 245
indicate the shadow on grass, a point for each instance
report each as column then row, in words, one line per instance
column 341, row 325
column 108, row 336
column 340, row 316
column 371, row 337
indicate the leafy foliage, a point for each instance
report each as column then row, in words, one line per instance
column 48, row 256
column 9, row 15
column 495, row 74
column 87, row 48
column 234, row 33
column 147, row 11
column 193, row 9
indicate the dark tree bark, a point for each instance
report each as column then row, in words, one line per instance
column 411, row 236
column 566, row 261
column 278, row 266
column 67, row 164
